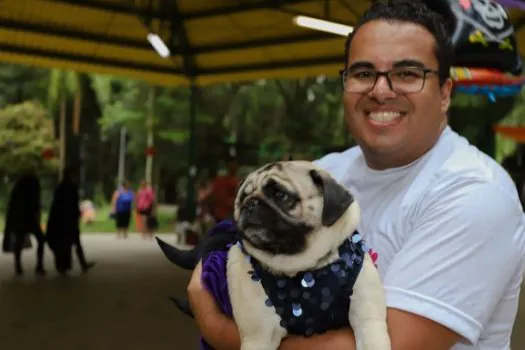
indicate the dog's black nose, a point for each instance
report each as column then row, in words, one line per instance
column 249, row 212
column 251, row 204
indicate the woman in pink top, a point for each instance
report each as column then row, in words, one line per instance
column 145, row 203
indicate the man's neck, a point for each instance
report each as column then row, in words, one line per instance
column 381, row 162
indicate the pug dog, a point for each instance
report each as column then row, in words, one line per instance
column 299, row 265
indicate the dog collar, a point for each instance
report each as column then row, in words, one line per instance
column 314, row 301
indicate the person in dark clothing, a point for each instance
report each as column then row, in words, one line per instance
column 23, row 218
column 63, row 226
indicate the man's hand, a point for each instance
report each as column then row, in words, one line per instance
column 215, row 327
column 334, row 340
column 407, row 332
column 410, row 331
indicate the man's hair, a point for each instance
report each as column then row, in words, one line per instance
column 416, row 12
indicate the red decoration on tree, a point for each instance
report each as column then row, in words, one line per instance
column 48, row 153
column 151, row 151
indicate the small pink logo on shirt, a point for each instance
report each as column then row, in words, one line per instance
column 374, row 256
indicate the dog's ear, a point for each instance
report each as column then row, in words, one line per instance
column 336, row 198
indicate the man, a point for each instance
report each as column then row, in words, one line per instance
column 63, row 227
column 223, row 191
column 23, row 217
column 444, row 218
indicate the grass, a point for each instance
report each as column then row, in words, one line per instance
column 104, row 224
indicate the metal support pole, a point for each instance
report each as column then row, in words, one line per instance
column 192, row 154
column 122, row 156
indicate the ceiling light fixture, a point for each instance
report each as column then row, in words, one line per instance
column 322, row 25
column 159, row 45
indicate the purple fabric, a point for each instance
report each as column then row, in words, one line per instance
column 214, row 275
column 214, row 279
column 518, row 4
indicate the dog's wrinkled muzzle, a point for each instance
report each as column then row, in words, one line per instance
column 250, row 213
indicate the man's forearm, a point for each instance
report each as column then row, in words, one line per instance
column 334, row 340
column 215, row 327
column 220, row 332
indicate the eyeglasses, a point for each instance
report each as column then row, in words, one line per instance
column 402, row 80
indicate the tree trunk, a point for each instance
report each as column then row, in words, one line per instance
column 77, row 109
column 62, row 134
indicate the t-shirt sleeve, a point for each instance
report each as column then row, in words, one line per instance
column 336, row 164
column 464, row 248
column 329, row 161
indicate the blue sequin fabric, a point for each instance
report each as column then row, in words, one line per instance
column 314, row 302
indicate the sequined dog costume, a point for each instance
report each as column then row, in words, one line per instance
column 314, row 301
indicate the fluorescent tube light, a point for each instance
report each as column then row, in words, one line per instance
column 322, row 25
column 158, row 45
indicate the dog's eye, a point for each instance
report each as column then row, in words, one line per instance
column 279, row 194
column 282, row 196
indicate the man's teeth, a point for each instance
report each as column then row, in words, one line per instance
column 384, row 116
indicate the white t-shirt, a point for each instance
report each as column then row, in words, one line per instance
column 449, row 231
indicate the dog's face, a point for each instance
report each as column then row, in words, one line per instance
column 281, row 204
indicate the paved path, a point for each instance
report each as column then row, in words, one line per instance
column 121, row 304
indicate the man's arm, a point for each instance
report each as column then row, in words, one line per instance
column 407, row 332
column 217, row 328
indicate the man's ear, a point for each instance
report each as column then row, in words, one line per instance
column 335, row 197
column 446, row 95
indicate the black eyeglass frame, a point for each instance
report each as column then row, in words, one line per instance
column 386, row 73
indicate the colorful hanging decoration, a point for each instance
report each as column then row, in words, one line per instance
column 486, row 61
column 489, row 82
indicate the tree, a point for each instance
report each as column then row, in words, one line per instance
column 26, row 132
column 19, row 83
column 62, row 86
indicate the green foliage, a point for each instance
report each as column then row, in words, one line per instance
column 468, row 101
column 19, row 83
column 474, row 117
column 179, row 137
column 25, row 132
column 516, row 117
column 62, row 84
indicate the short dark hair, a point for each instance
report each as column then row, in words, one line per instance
column 416, row 12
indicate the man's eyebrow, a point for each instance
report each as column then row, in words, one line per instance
column 409, row 63
column 361, row 65
column 397, row 64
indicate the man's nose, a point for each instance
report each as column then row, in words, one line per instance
column 382, row 90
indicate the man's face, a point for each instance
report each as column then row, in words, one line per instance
column 394, row 129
